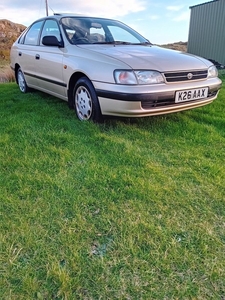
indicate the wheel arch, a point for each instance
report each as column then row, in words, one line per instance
column 73, row 80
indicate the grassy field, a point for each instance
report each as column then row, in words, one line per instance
column 127, row 209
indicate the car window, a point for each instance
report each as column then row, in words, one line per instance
column 32, row 35
column 50, row 28
column 22, row 37
column 75, row 28
column 85, row 30
column 119, row 34
column 97, row 34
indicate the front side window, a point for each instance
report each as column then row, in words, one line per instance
column 51, row 28
column 32, row 35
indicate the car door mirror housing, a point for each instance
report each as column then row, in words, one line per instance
column 51, row 40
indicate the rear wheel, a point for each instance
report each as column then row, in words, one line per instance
column 86, row 101
column 21, row 81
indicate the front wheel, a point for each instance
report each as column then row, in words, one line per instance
column 21, row 81
column 86, row 101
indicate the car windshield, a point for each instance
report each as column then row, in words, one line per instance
column 84, row 30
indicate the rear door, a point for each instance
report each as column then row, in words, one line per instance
column 26, row 49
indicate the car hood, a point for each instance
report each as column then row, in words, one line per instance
column 151, row 57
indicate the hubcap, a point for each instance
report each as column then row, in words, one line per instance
column 21, row 82
column 83, row 103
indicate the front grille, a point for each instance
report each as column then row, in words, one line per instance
column 185, row 76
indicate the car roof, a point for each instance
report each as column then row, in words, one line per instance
column 59, row 16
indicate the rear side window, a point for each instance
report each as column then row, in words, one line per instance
column 22, row 37
column 32, row 35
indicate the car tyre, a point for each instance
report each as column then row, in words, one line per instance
column 21, row 81
column 86, row 102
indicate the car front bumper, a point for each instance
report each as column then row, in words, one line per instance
column 128, row 101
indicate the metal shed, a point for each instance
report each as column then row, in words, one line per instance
column 207, row 30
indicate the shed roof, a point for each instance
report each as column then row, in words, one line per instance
column 203, row 3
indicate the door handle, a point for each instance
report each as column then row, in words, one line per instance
column 37, row 56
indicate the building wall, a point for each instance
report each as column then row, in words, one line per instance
column 207, row 30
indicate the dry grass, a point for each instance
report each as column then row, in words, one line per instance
column 6, row 74
column 179, row 46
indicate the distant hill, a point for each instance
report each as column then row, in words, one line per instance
column 9, row 32
column 179, row 46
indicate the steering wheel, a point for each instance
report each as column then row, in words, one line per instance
column 81, row 39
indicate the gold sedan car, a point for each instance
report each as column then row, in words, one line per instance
column 103, row 67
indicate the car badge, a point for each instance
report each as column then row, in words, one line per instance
column 189, row 76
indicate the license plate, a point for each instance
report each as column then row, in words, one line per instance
column 189, row 95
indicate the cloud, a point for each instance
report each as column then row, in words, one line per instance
column 22, row 16
column 27, row 11
column 19, row 4
column 104, row 8
column 175, row 7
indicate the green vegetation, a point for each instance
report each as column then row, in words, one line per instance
column 127, row 209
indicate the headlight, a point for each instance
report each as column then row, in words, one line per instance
column 138, row 77
column 149, row 77
column 125, row 77
column 212, row 72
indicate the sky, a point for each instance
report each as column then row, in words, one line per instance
column 160, row 21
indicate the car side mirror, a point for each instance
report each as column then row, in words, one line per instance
column 51, row 40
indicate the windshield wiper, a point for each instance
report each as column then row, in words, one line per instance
column 143, row 44
column 104, row 43
column 122, row 43
column 113, row 43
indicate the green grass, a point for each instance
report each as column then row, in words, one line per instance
column 127, row 209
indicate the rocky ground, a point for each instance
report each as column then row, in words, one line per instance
column 9, row 32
